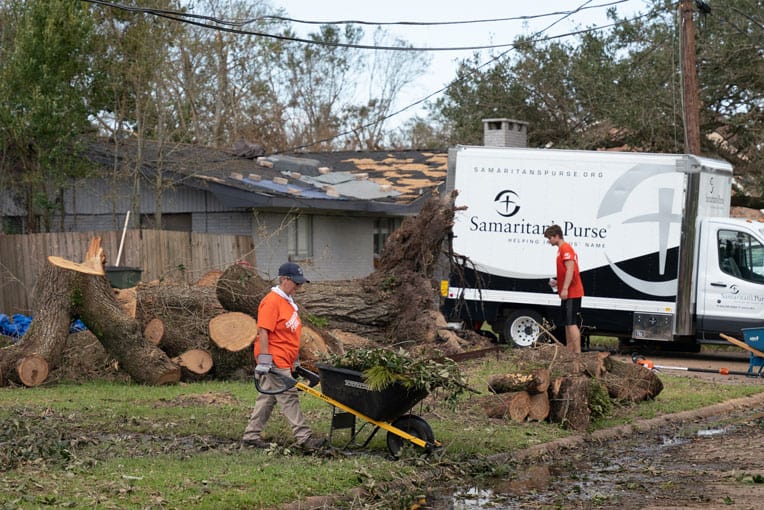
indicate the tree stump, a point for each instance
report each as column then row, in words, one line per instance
column 45, row 340
column 569, row 402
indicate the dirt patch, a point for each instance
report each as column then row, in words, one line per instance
column 698, row 459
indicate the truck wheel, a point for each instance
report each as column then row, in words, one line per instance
column 523, row 328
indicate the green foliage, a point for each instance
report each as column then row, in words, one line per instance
column 383, row 367
column 600, row 404
column 623, row 87
column 319, row 322
column 44, row 83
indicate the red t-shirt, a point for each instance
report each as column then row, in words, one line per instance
column 564, row 253
column 283, row 323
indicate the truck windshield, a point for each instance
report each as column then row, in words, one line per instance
column 741, row 255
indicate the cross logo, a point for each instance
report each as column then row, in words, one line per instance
column 505, row 203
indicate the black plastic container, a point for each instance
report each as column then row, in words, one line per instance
column 348, row 387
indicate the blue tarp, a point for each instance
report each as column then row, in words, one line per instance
column 18, row 324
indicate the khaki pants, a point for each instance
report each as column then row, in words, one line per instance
column 290, row 406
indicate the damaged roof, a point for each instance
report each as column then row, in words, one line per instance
column 372, row 181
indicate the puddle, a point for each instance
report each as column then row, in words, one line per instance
column 711, row 432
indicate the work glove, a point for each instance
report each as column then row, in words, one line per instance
column 264, row 364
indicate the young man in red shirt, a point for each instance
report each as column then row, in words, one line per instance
column 569, row 286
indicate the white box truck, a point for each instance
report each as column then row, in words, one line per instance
column 660, row 258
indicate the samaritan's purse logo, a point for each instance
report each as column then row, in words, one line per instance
column 505, row 203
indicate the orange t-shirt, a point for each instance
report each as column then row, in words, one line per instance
column 282, row 321
column 564, row 253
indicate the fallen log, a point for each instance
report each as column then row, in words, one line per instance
column 629, row 382
column 121, row 335
column 515, row 405
column 39, row 351
column 535, row 382
column 386, row 306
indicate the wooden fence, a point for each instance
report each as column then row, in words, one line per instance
column 167, row 255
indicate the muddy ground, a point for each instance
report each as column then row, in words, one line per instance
column 711, row 460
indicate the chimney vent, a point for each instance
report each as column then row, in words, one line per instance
column 505, row 133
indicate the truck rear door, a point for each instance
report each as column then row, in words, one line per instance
column 730, row 277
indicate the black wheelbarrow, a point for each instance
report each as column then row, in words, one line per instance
column 351, row 398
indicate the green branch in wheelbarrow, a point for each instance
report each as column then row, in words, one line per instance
column 384, row 367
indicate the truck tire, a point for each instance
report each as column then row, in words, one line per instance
column 522, row 328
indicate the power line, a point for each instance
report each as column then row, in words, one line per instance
column 427, row 23
column 471, row 73
column 181, row 17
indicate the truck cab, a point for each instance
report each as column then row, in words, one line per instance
column 730, row 277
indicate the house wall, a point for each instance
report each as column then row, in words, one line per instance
column 342, row 245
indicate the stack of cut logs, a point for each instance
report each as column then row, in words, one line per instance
column 561, row 389
column 157, row 333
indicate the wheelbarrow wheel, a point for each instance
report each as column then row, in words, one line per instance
column 413, row 425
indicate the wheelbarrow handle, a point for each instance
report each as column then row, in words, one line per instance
column 289, row 382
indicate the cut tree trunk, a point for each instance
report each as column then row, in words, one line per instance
column 515, row 405
column 535, row 382
column 121, row 335
column 569, row 402
column 196, row 360
column 629, row 382
column 39, row 351
column 94, row 302
column 233, row 331
column 539, row 407
column 154, row 331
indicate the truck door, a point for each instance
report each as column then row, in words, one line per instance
column 730, row 279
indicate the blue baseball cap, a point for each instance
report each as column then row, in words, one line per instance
column 293, row 272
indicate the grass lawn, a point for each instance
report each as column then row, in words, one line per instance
column 116, row 445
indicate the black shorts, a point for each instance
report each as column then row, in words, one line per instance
column 570, row 309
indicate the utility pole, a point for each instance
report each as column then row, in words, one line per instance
column 684, row 326
column 690, row 100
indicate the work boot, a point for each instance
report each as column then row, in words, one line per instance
column 255, row 442
column 311, row 444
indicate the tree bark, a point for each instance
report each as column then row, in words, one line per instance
column 45, row 340
column 569, row 402
column 629, row 382
column 121, row 335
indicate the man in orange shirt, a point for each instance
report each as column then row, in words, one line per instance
column 569, row 286
column 276, row 350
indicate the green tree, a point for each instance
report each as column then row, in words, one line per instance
column 45, row 83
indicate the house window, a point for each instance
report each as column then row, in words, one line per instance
column 383, row 227
column 300, row 237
